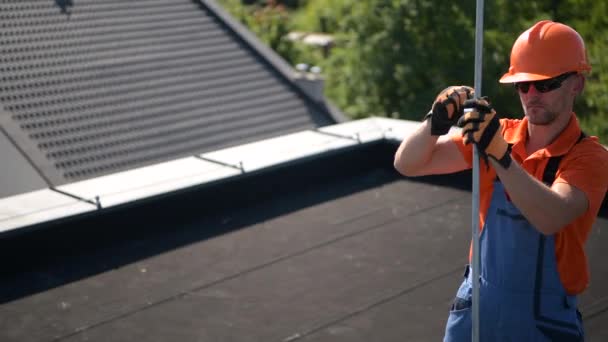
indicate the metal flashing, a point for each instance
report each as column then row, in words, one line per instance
column 146, row 182
column 280, row 150
column 222, row 165
column 37, row 207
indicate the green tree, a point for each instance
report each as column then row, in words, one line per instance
column 392, row 57
column 590, row 20
column 269, row 20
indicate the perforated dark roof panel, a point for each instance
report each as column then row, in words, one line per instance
column 99, row 86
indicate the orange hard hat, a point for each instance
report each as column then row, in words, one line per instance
column 546, row 50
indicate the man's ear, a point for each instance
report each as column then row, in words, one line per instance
column 579, row 84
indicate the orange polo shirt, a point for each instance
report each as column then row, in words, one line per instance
column 584, row 166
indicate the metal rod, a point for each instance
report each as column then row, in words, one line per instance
column 475, row 204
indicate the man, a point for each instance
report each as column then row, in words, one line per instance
column 542, row 182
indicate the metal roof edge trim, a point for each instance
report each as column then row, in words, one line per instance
column 36, row 207
column 154, row 181
column 272, row 58
column 32, row 155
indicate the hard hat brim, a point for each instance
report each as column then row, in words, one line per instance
column 522, row 77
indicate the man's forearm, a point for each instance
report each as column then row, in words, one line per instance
column 546, row 209
column 418, row 148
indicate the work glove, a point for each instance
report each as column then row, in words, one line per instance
column 448, row 108
column 481, row 127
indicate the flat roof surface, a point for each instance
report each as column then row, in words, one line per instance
column 363, row 256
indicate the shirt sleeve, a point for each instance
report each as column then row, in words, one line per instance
column 587, row 170
column 465, row 150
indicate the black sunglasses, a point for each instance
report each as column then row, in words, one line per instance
column 544, row 86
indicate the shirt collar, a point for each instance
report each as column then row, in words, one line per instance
column 566, row 139
column 561, row 145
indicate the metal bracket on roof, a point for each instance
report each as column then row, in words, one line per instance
column 240, row 167
column 384, row 131
column 96, row 202
column 356, row 138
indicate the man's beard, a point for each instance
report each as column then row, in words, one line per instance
column 542, row 118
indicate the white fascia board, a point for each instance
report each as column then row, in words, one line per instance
column 275, row 151
column 37, row 207
column 149, row 181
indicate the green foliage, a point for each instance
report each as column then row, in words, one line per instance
column 390, row 56
column 323, row 16
column 589, row 19
column 393, row 56
column 270, row 21
column 288, row 3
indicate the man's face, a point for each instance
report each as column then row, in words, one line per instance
column 543, row 108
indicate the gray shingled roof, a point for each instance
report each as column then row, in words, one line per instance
column 92, row 87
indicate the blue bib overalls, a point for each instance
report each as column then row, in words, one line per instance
column 521, row 295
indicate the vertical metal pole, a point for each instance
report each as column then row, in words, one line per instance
column 475, row 204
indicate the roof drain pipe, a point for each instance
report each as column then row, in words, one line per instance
column 475, row 204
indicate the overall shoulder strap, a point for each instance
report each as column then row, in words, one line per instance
column 553, row 164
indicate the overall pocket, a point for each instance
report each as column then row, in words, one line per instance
column 458, row 327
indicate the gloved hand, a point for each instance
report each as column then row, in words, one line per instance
column 448, row 107
column 482, row 128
